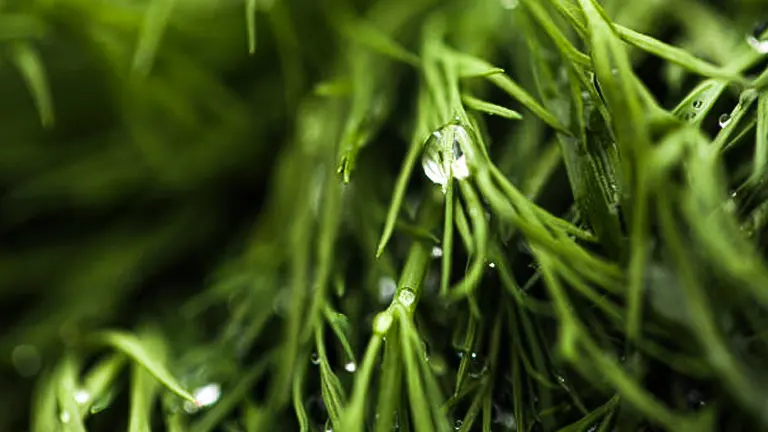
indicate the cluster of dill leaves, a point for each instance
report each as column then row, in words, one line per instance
column 413, row 215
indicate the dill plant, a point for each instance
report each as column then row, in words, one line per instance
column 383, row 215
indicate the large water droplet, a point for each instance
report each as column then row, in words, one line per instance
column 350, row 367
column 443, row 158
column 406, row 297
column 723, row 120
column 26, row 359
column 387, row 288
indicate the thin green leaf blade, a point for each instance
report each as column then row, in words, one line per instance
column 137, row 349
column 490, row 108
column 30, row 65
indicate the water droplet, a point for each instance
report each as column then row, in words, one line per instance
column 477, row 365
column 381, row 323
column 510, row 4
column 755, row 39
column 457, row 424
column 492, row 265
column 694, row 399
column 328, row 428
column 26, row 359
column 437, row 252
column 281, row 302
column 406, row 297
column 350, row 367
column 723, row 120
column 387, row 288
column 207, row 395
column 760, row 46
column 444, row 158
column 82, row 397
column 505, row 419
column 698, row 103
column 65, row 417
column 315, row 359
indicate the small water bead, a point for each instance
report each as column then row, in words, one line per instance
column 315, row 359
column 26, row 359
column 82, row 397
column 207, row 395
column 406, row 297
column 506, row 420
column 382, row 322
column 444, row 157
column 437, row 252
column 350, row 367
column 724, row 120
column 457, row 424
column 387, row 288
column 755, row 39
column 510, row 4
column 65, row 417
column 477, row 365
column 698, row 104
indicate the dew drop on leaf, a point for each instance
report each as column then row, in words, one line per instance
column 208, row 394
column 387, row 288
column 477, row 365
column 443, row 158
column 723, row 120
column 755, row 40
column 406, row 297
column 510, row 4
column 82, row 397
